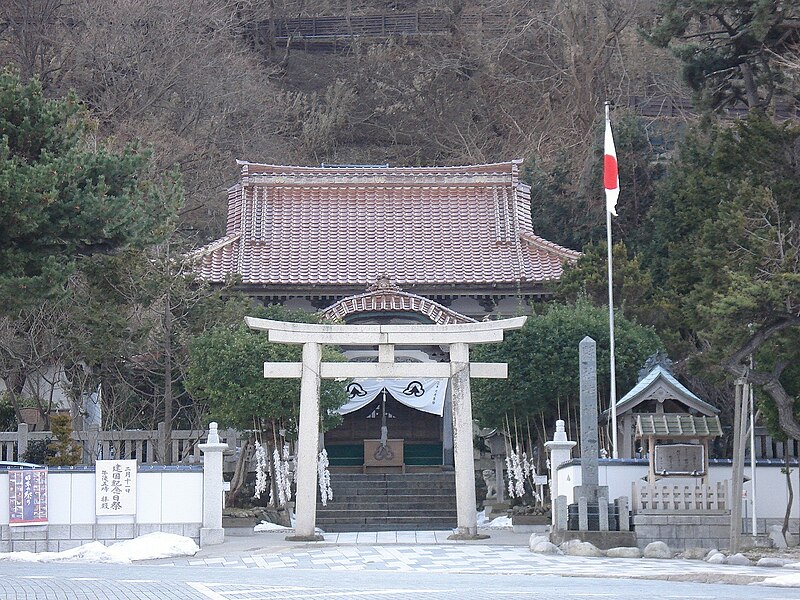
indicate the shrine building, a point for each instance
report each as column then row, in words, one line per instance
column 387, row 245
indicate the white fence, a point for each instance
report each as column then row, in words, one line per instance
column 769, row 496
column 661, row 498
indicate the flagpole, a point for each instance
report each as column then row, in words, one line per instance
column 613, row 391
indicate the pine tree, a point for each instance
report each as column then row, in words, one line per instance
column 64, row 194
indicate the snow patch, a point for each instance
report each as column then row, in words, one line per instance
column 792, row 580
column 267, row 526
column 145, row 547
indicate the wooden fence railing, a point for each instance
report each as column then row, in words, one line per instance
column 370, row 26
column 147, row 447
column 691, row 499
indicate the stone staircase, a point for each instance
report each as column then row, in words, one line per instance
column 389, row 502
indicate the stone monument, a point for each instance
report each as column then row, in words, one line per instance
column 590, row 498
column 590, row 493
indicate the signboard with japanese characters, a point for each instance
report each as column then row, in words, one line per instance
column 680, row 459
column 115, row 484
column 27, row 497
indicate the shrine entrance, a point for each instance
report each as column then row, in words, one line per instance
column 455, row 337
column 391, row 426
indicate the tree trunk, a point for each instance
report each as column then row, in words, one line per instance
column 240, row 473
column 788, row 472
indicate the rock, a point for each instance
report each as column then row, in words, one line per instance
column 694, row 553
column 657, row 550
column 776, row 535
column 624, row 552
column 772, row 561
column 792, row 565
column 711, row 553
column 738, row 559
column 716, row 559
column 535, row 539
column 579, row 548
column 545, row 547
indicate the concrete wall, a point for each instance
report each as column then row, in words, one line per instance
column 168, row 499
column 771, row 494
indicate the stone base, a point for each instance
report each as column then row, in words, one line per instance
column 755, row 541
column 468, row 536
column 55, row 537
column 680, row 532
column 530, row 523
column 232, row 522
column 602, row 539
column 211, row 536
column 495, row 508
column 543, row 529
column 304, row 538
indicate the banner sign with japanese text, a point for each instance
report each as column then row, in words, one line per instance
column 27, row 497
column 115, row 484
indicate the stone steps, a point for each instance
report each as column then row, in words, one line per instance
column 385, row 502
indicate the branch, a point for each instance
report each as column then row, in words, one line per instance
column 735, row 364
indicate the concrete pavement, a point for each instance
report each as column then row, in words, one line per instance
column 505, row 552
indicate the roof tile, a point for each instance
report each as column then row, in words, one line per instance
column 350, row 226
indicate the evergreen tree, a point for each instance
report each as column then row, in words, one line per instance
column 731, row 49
column 726, row 254
column 542, row 357
column 64, row 195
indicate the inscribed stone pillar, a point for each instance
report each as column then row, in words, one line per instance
column 308, row 443
column 462, row 440
column 212, row 531
column 590, row 447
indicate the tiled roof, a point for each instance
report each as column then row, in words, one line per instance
column 661, row 384
column 673, row 425
column 349, row 226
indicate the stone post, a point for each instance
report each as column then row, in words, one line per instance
column 466, row 504
column 562, row 513
column 590, row 446
column 308, row 445
column 560, row 450
column 589, row 492
column 447, row 430
column 212, row 531
column 22, row 440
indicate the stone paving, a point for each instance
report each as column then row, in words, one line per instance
column 431, row 551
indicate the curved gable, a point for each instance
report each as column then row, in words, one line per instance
column 389, row 298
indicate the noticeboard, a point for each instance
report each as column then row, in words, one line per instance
column 679, row 460
column 115, row 487
column 27, row 497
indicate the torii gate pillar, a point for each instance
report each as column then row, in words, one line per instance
column 312, row 370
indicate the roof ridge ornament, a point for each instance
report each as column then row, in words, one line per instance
column 657, row 359
column 384, row 283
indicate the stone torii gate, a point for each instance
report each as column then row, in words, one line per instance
column 312, row 370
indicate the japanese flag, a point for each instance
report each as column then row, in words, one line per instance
column 610, row 173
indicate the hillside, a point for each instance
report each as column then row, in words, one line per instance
column 206, row 83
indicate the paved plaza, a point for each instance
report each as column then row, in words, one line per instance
column 388, row 566
column 432, row 551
